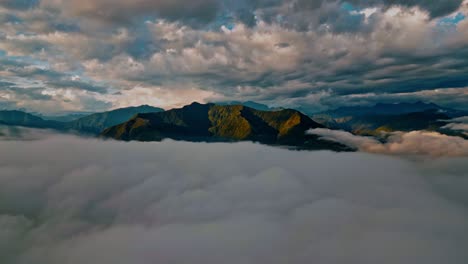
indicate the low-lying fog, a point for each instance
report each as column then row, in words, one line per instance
column 70, row 200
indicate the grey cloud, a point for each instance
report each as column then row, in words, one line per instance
column 463, row 119
column 8, row 18
column 319, row 44
column 77, row 85
column 10, row 133
column 449, row 97
column 29, row 93
column 459, row 124
column 6, row 84
column 19, row 4
column 435, row 8
column 307, row 14
column 126, row 11
column 176, row 202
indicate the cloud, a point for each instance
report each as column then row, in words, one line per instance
column 177, row 202
column 292, row 53
column 463, row 119
column 435, row 8
column 459, row 124
column 122, row 11
column 19, row 4
column 9, row 133
column 401, row 143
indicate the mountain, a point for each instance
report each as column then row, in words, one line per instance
column 66, row 117
column 19, row 118
column 371, row 120
column 383, row 109
column 221, row 123
column 91, row 124
column 251, row 104
column 96, row 123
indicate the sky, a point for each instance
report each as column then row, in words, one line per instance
column 112, row 202
column 94, row 55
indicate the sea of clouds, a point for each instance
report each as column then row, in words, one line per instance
column 414, row 143
column 71, row 200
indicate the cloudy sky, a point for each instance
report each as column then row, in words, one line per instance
column 93, row 55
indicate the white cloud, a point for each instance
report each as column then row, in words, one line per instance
column 458, row 124
column 175, row 202
column 401, row 143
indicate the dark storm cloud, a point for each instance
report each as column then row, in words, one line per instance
column 176, row 202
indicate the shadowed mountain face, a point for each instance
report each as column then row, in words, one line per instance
column 211, row 122
column 388, row 117
column 91, row 124
column 383, row 109
column 66, row 118
column 96, row 123
column 19, row 118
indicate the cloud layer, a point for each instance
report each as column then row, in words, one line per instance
column 459, row 124
column 93, row 55
column 401, row 143
column 176, row 202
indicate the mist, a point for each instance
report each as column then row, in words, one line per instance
column 65, row 199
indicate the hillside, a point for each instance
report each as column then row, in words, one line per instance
column 371, row 120
column 96, row 123
column 210, row 122
column 19, row 118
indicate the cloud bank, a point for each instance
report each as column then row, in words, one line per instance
column 459, row 124
column 401, row 143
column 72, row 200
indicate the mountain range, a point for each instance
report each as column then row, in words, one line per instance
column 371, row 120
column 90, row 124
column 214, row 123
column 249, row 121
column 19, row 118
column 96, row 123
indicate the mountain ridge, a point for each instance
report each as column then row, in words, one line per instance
column 20, row 118
column 91, row 124
column 383, row 117
column 97, row 122
column 219, row 123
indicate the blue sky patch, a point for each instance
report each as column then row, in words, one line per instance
column 452, row 20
